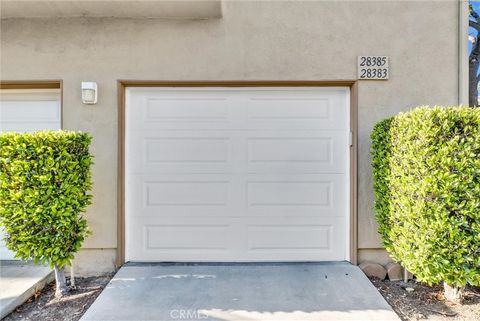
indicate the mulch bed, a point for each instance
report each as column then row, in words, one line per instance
column 44, row 307
column 426, row 302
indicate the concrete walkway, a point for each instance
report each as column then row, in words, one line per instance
column 20, row 280
column 298, row 291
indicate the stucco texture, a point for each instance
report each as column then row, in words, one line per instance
column 253, row 41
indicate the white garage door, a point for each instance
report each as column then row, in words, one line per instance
column 237, row 174
column 27, row 111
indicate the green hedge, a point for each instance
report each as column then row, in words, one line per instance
column 44, row 189
column 426, row 172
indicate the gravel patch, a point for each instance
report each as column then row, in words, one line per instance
column 43, row 306
column 416, row 301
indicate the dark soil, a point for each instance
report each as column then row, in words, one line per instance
column 45, row 307
column 428, row 302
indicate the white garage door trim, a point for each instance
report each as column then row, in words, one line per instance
column 28, row 110
column 175, row 121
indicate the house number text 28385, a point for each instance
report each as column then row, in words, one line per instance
column 372, row 67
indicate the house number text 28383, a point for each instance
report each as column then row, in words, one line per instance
column 372, row 67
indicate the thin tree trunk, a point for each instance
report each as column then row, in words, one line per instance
column 72, row 275
column 61, row 283
column 473, row 83
column 473, row 65
column 474, row 60
column 453, row 293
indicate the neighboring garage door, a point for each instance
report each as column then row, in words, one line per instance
column 237, row 174
column 29, row 110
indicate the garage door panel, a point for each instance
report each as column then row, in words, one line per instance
column 313, row 245
column 231, row 195
column 296, row 152
column 236, row 174
column 161, row 240
column 29, row 126
column 313, row 237
column 180, row 195
column 22, row 110
column 251, row 151
column 237, row 239
column 310, row 109
column 320, row 195
column 179, row 109
column 187, row 150
column 30, row 113
column 289, row 193
column 226, row 109
column 289, row 237
column 289, row 149
column 192, row 193
column 177, row 237
column 186, row 107
column 180, row 151
column 280, row 107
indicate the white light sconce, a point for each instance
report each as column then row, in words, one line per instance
column 89, row 92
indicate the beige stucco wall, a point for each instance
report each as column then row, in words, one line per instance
column 253, row 41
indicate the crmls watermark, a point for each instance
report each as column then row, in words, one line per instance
column 187, row 314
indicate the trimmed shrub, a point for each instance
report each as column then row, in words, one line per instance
column 44, row 189
column 426, row 173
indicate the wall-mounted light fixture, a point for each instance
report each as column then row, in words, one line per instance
column 89, row 92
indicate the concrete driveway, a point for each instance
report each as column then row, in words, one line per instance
column 234, row 292
column 19, row 280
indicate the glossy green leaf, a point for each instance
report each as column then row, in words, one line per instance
column 45, row 180
column 426, row 179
